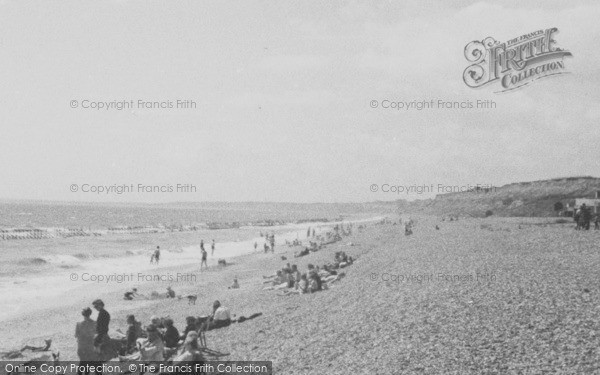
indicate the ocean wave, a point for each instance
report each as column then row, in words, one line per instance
column 59, row 260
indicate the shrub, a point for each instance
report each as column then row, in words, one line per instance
column 488, row 213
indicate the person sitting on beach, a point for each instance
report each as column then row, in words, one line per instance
column 190, row 326
column 84, row 332
column 279, row 282
column 170, row 292
column 219, row 318
column 290, row 280
column 302, row 253
column 190, row 350
column 332, row 278
column 130, row 295
column 301, row 287
column 314, row 283
column 153, row 347
column 171, row 335
column 279, row 279
column 271, row 277
column 235, row 284
column 296, row 274
column 159, row 324
column 323, row 272
column 134, row 331
column 287, row 268
column 303, row 284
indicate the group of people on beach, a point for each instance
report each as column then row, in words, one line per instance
column 291, row 281
column 155, row 255
column 269, row 244
column 93, row 342
column 204, row 253
column 157, row 341
column 132, row 294
column 322, row 240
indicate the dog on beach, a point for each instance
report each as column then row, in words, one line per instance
column 222, row 262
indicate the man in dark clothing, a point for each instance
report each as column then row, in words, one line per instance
column 102, row 322
column 171, row 334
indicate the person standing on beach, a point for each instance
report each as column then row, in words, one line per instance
column 201, row 245
column 212, row 248
column 308, row 233
column 204, row 257
column 272, row 243
column 157, row 254
column 102, row 340
column 84, row 332
column 255, row 245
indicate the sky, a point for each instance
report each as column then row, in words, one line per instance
column 283, row 94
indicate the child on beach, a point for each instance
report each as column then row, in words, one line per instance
column 235, row 284
column 130, row 294
column 170, row 292
column 212, row 248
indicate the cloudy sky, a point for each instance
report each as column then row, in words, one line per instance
column 283, row 92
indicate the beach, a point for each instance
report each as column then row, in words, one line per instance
column 476, row 295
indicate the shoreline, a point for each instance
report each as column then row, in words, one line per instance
column 214, row 279
column 178, row 269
